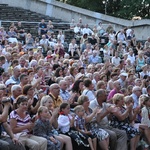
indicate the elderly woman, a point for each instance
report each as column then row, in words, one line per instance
column 64, row 139
column 22, row 125
column 121, row 119
column 91, row 123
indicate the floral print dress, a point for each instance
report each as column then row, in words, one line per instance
column 124, row 125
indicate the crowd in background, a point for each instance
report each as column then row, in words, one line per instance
column 92, row 93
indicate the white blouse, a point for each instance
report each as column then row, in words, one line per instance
column 64, row 123
column 145, row 116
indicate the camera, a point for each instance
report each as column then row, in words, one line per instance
column 5, row 100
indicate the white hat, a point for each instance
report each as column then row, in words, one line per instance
column 78, row 76
column 10, row 81
column 124, row 74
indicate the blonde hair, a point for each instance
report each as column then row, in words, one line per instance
column 78, row 108
column 82, row 99
column 117, row 97
column 45, row 99
column 127, row 99
column 143, row 99
column 40, row 109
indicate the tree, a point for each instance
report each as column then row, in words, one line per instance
column 120, row 8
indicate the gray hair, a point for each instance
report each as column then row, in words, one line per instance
column 15, row 87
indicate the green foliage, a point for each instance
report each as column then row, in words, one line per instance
column 120, row 8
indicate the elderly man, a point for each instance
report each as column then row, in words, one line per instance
column 65, row 95
column 136, row 92
column 16, row 90
column 122, row 80
column 16, row 74
column 94, row 58
column 54, row 91
column 118, row 138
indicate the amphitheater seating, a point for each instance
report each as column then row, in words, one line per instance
column 8, row 13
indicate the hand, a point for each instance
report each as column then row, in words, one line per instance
column 96, row 110
column 137, row 110
column 130, row 107
column 15, row 141
column 53, row 140
column 55, row 112
column 30, row 126
column 88, row 132
column 30, row 102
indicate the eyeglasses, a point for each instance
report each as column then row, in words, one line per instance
column 2, row 88
column 56, row 88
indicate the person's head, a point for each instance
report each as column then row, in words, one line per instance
column 96, row 76
column 63, row 85
column 144, row 100
column 21, row 103
column 24, row 79
column 123, row 76
column 138, row 82
column 128, row 100
column 8, row 56
column 129, row 89
column 118, row 99
column 3, row 88
column 54, row 89
column 114, row 76
column 137, row 91
column 148, row 90
column 73, row 71
column 77, row 86
column 22, row 61
column 101, row 96
column 124, row 91
column 88, row 84
column 16, row 72
column 47, row 101
column 2, row 60
column 64, row 108
column 16, row 90
column 101, row 85
column 5, row 76
column 39, row 70
column 117, row 85
column 84, row 101
column 42, row 20
column 28, row 90
column 43, row 112
column 79, row 110
column 58, row 72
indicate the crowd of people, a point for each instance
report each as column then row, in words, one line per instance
column 88, row 96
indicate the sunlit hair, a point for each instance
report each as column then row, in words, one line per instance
column 78, row 108
column 82, row 99
column 117, row 97
column 143, row 99
column 41, row 109
column 45, row 99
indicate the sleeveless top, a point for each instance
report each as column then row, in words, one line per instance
column 141, row 62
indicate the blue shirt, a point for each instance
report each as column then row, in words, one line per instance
column 95, row 59
column 65, row 95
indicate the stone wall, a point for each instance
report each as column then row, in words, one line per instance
column 67, row 12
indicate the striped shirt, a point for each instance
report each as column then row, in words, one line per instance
column 20, row 121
